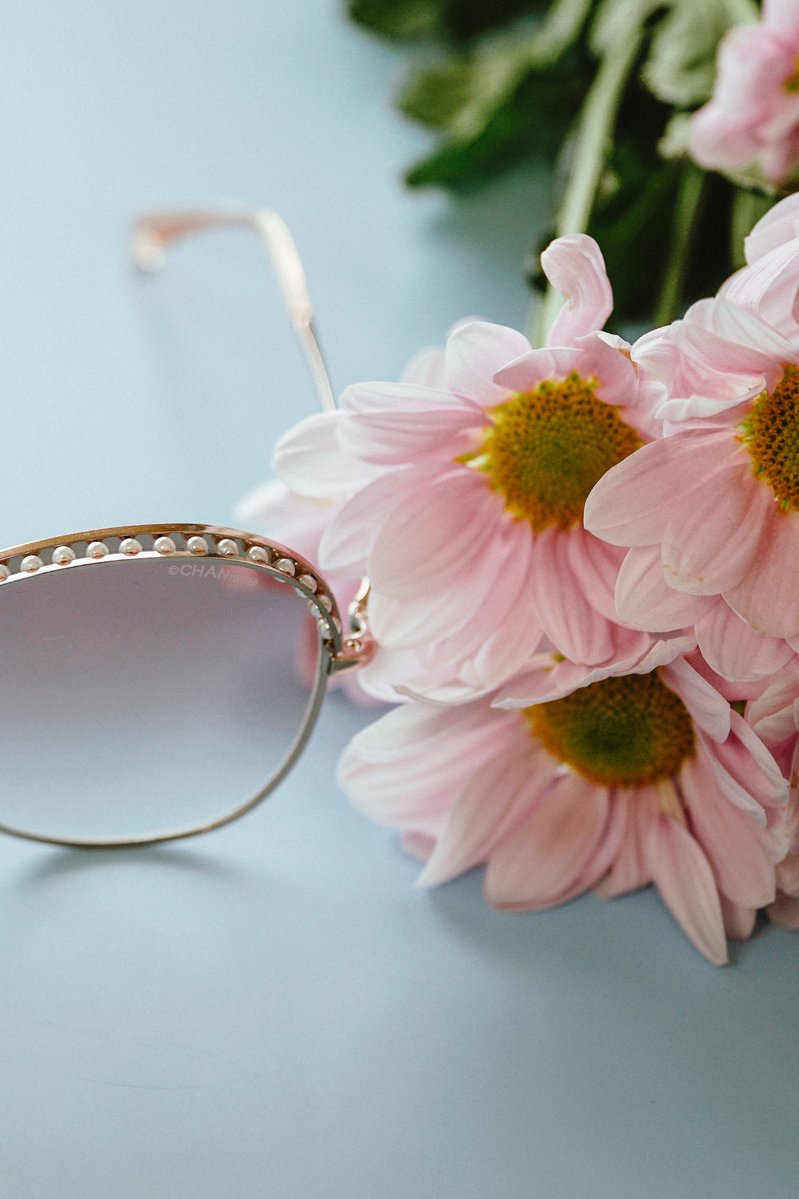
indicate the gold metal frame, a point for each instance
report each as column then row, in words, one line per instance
column 195, row 542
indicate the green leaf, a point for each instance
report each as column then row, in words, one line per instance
column 397, row 18
column 681, row 66
column 461, row 95
column 529, row 119
column 454, row 20
column 510, row 96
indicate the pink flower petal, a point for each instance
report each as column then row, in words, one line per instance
column 711, row 542
column 596, row 564
column 410, row 764
column 768, row 595
column 781, row 222
column 752, row 764
column 607, row 361
column 734, row 650
column 309, row 459
column 769, row 288
column 400, row 424
column 474, row 354
column 436, row 537
column 487, row 808
column 740, row 865
column 518, row 635
column 683, row 876
column 601, row 860
column 629, row 871
column 534, row 366
column 709, row 710
column 633, row 503
column 550, row 847
column 575, row 628
column 645, row 600
column 575, row 267
column 771, row 714
column 347, row 541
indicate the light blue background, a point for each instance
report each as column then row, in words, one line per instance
column 274, row 1010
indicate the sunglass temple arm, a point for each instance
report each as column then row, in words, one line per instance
column 154, row 232
column 151, row 235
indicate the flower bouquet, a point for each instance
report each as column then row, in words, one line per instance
column 583, row 565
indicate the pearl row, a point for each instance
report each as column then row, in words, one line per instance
column 197, row 545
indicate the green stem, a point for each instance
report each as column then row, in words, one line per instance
column 589, row 152
column 688, row 206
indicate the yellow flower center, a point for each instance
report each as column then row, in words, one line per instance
column 791, row 84
column 621, row 732
column 770, row 433
column 548, row 447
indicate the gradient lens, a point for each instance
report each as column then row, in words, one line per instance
column 150, row 697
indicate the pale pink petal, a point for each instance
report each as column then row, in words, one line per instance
column 545, row 678
column 741, row 867
column 734, row 650
column 742, row 342
column 575, row 267
column 474, row 354
column 645, row 600
column 768, row 595
column 600, row 861
column 442, row 604
column 596, row 564
column 423, row 619
column 752, row 763
column 771, row 714
column 436, row 536
column 770, row 288
column 616, row 377
column 550, row 847
column 629, row 871
column 346, row 542
column 486, row 810
column 535, row 366
column 709, row 710
column 683, row 876
column 403, row 424
column 575, row 628
column 517, row 633
column 781, row 222
column 714, row 540
column 412, row 763
column 739, row 921
column 309, row 459
column 633, row 503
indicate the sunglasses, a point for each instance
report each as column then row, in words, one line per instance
column 163, row 661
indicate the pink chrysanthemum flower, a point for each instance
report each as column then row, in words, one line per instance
column 752, row 120
column 611, row 779
column 467, row 512
column 712, row 508
column 775, row 718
